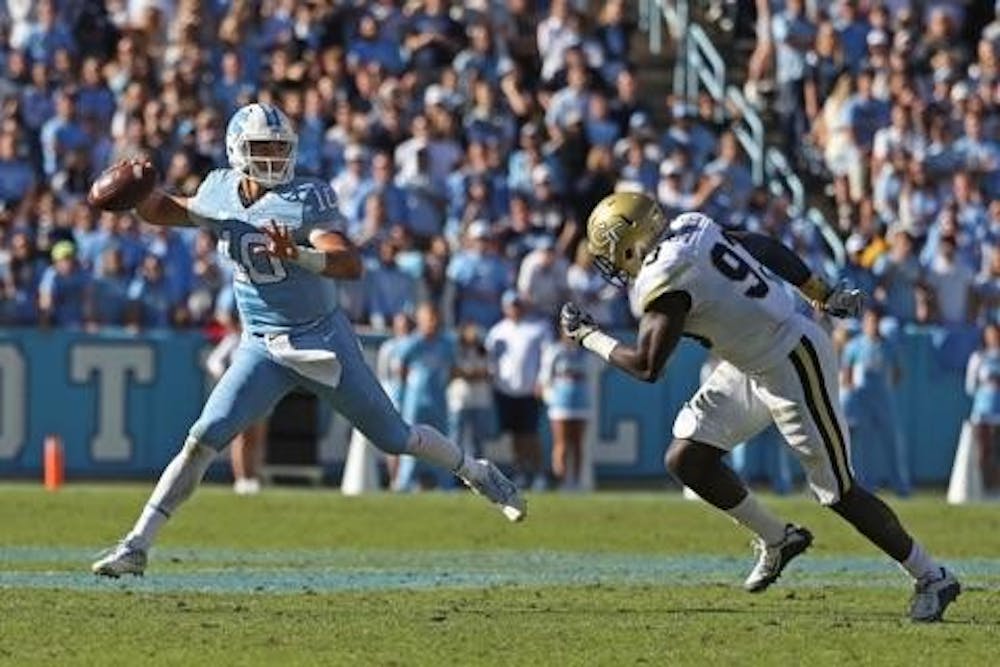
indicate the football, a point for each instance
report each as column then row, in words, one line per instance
column 123, row 185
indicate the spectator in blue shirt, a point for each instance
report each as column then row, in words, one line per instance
column 61, row 134
column 111, row 290
column 153, row 302
column 382, row 184
column 427, row 359
column 794, row 34
column 600, row 128
column 853, row 29
column 64, row 294
column 478, row 277
column 94, row 98
column 47, row 36
column 870, row 368
column 19, row 278
column 982, row 384
column 389, row 289
column 17, row 178
column 370, row 47
column 864, row 113
column 426, row 199
column 232, row 85
column 480, row 60
column 37, row 101
column 898, row 273
column 433, row 37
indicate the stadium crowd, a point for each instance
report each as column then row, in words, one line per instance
column 897, row 105
column 467, row 142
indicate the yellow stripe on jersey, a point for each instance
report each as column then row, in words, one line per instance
column 817, row 401
column 663, row 286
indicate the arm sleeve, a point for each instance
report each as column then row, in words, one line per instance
column 775, row 256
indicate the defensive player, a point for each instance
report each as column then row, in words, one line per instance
column 690, row 277
column 284, row 236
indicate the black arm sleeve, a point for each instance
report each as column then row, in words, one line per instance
column 774, row 255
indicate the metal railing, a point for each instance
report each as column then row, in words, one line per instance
column 699, row 66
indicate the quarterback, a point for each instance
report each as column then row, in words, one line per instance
column 284, row 236
column 690, row 277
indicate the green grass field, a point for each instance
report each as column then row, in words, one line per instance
column 310, row 577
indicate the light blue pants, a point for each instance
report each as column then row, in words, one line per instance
column 255, row 382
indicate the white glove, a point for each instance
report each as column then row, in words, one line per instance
column 844, row 301
column 576, row 323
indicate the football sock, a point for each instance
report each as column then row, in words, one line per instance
column 428, row 444
column 759, row 519
column 919, row 563
column 176, row 485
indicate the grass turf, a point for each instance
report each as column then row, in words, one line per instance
column 300, row 577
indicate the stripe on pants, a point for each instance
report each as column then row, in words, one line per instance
column 817, row 401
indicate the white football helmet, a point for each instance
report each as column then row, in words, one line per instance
column 250, row 137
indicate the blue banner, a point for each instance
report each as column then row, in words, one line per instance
column 122, row 403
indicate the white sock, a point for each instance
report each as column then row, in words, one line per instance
column 428, row 444
column 176, row 485
column 919, row 563
column 759, row 519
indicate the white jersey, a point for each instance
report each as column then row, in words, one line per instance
column 738, row 308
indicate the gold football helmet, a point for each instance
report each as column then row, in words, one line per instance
column 621, row 229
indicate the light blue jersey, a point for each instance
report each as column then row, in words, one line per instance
column 293, row 333
column 273, row 296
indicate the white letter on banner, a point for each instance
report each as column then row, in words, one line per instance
column 623, row 448
column 111, row 364
column 12, row 391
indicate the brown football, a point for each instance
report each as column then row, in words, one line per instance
column 123, row 185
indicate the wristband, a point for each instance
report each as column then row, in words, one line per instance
column 815, row 289
column 600, row 344
column 311, row 259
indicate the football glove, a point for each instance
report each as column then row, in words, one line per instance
column 844, row 301
column 576, row 323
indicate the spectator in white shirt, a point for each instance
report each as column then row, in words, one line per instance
column 541, row 281
column 514, row 346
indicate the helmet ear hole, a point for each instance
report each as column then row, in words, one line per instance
column 628, row 253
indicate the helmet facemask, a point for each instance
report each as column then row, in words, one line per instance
column 270, row 161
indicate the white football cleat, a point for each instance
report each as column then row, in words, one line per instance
column 494, row 485
column 121, row 559
column 772, row 558
column 932, row 595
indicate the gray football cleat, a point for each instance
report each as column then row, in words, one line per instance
column 121, row 559
column 772, row 558
column 495, row 486
column 932, row 595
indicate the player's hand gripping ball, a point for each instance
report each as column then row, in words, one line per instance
column 123, row 185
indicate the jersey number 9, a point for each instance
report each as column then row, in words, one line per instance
column 734, row 267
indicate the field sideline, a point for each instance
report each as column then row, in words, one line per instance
column 311, row 577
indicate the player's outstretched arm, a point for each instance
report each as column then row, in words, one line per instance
column 160, row 208
column 783, row 262
column 660, row 329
